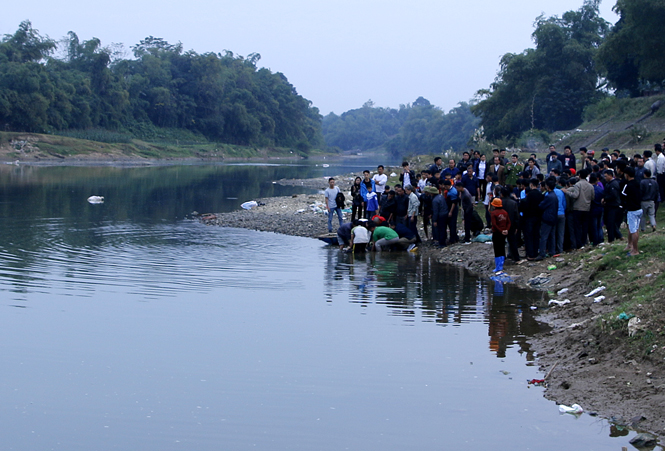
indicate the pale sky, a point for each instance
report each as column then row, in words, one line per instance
column 338, row 54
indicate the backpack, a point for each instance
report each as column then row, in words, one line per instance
column 339, row 199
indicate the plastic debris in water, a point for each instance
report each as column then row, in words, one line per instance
column 575, row 409
column 96, row 199
column 594, row 291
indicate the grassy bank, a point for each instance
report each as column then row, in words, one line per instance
column 37, row 147
column 638, row 284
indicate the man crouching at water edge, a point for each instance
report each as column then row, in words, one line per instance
column 330, row 195
column 382, row 237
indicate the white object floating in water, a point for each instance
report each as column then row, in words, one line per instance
column 595, row 291
column 575, row 409
column 96, row 199
column 249, row 205
column 325, row 165
column 559, row 303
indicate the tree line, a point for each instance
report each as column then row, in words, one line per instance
column 219, row 97
column 579, row 59
column 419, row 127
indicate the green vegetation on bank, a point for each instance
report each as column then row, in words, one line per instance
column 163, row 94
column 640, row 285
column 34, row 147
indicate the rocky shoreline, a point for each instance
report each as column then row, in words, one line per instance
column 575, row 353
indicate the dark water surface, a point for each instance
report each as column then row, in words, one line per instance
column 124, row 326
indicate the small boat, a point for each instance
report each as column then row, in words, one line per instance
column 329, row 238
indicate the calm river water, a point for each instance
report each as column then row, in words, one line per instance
column 127, row 326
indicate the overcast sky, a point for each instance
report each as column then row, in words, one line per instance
column 338, row 53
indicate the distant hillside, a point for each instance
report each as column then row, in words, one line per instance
column 624, row 124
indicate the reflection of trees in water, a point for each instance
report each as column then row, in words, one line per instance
column 421, row 289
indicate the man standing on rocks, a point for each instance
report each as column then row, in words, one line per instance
column 330, row 199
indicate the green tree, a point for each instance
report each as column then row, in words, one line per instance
column 634, row 51
column 549, row 86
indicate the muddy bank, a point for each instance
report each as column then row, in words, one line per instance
column 585, row 360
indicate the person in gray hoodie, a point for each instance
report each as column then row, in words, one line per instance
column 582, row 194
column 649, row 189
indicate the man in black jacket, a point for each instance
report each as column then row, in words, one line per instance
column 631, row 201
column 550, row 207
column 512, row 208
column 612, row 205
column 529, row 206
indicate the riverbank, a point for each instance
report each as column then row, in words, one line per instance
column 36, row 148
column 585, row 351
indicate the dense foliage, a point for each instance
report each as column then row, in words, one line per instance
column 547, row 87
column 416, row 128
column 225, row 98
column 633, row 54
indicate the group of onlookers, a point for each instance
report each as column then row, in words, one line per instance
column 548, row 207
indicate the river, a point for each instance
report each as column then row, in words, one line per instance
column 126, row 325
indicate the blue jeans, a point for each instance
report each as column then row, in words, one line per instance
column 331, row 212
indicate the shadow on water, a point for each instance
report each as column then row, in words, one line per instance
column 419, row 289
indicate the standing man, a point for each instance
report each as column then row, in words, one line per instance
column 330, row 199
column 471, row 183
column 513, row 171
column 407, row 177
column 583, row 194
column 467, row 209
column 380, row 180
column 451, row 170
column 550, row 208
column 631, row 199
column 437, row 166
column 440, row 217
column 660, row 172
column 497, row 169
column 412, row 209
column 612, row 205
column 568, row 159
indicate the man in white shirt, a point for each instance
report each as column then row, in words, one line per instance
column 660, row 172
column 380, row 180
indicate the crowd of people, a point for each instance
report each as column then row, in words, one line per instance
column 562, row 204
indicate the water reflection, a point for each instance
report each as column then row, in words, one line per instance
column 419, row 289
